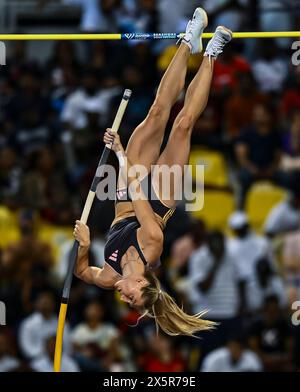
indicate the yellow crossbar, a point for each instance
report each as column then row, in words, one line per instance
column 137, row 36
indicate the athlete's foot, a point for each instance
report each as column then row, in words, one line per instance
column 194, row 30
column 216, row 45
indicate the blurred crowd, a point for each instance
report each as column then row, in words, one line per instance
column 52, row 119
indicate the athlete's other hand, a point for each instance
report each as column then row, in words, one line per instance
column 113, row 139
column 82, row 234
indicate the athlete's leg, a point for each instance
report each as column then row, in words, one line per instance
column 145, row 143
column 178, row 147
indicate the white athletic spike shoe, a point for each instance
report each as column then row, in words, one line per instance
column 216, row 45
column 194, row 30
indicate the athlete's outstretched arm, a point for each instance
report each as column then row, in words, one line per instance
column 83, row 271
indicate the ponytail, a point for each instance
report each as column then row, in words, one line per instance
column 168, row 315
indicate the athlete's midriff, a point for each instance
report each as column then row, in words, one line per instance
column 125, row 210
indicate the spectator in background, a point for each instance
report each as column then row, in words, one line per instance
column 39, row 326
column 228, row 13
column 97, row 15
column 290, row 100
column 32, row 104
column 207, row 129
column 285, row 216
column 248, row 248
column 89, row 93
column 133, row 78
column 291, row 266
column 276, row 15
column 44, row 362
column 258, row 152
column 234, row 357
column 265, row 284
column 18, row 60
column 291, row 143
column 34, row 134
column 64, row 56
column 181, row 251
column 62, row 67
column 214, row 278
column 171, row 14
column 162, row 356
column 10, row 177
column 43, row 187
column 240, row 106
column 226, row 69
column 74, row 111
column 22, row 258
column 94, row 330
column 270, row 337
column 8, row 360
column 270, row 70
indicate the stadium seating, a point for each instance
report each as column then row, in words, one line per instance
column 216, row 209
column 215, row 167
column 9, row 231
column 261, row 198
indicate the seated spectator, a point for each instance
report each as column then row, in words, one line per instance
column 227, row 67
column 162, row 356
column 64, row 55
column 32, row 104
column 247, row 247
column 271, row 339
column 17, row 60
column 8, row 360
column 240, row 106
column 44, row 362
column 291, row 139
column 33, row 134
column 89, row 93
column 97, row 16
column 62, row 69
column 258, row 152
column 214, row 277
column 265, row 283
column 285, row 216
column 234, row 357
column 180, row 253
column 230, row 13
column 10, row 177
column 291, row 144
column 33, row 253
column 207, row 130
column 270, row 70
column 38, row 327
column 171, row 14
column 96, row 343
column 43, row 186
column 133, row 77
column 276, row 15
column 290, row 100
column 291, row 265
column 94, row 330
column 118, row 358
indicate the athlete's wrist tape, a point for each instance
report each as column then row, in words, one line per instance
column 121, row 158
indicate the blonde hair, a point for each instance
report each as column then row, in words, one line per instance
column 167, row 314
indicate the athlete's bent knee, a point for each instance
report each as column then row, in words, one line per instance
column 184, row 124
column 156, row 110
